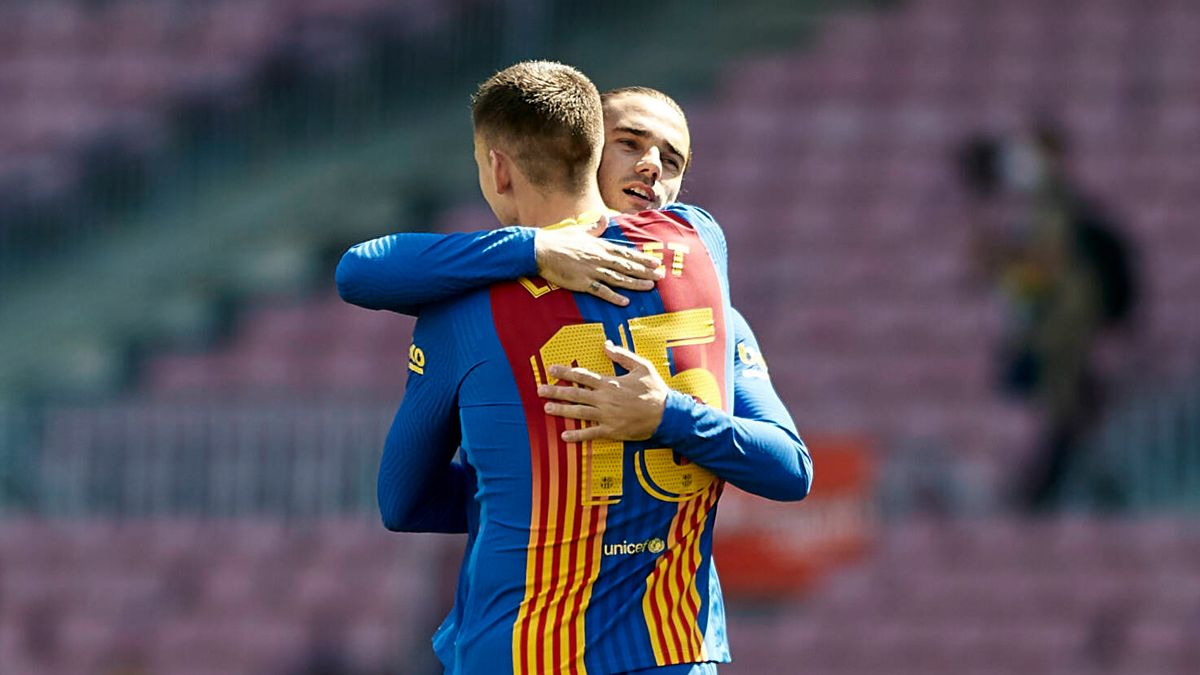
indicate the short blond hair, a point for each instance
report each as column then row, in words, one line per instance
column 550, row 117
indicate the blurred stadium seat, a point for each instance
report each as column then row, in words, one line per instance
column 996, row 595
column 191, row 596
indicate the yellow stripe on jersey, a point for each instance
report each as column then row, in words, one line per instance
column 548, row 635
column 671, row 603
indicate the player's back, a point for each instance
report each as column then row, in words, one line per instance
column 589, row 557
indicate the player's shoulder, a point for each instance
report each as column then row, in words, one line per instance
column 702, row 220
column 736, row 318
column 687, row 215
column 748, row 358
column 705, row 225
column 441, row 348
column 691, row 213
column 742, row 331
column 449, row 315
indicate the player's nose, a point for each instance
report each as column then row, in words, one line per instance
column 650, row 165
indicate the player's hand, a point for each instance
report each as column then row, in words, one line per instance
column 623, row 408
column 573, row 259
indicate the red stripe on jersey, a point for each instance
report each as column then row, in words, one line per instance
column 672, row 602
column 542, row 641
column 697, row 286
column 520, row 338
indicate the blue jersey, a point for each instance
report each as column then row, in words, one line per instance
column 592, row 557
column 406, row 271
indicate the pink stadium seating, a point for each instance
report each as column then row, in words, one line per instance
column 73, row 71
column 307, row 348
column 849, row 255
column 994, row 596
column 971, row 596
column 209, row 596
column 893, row 164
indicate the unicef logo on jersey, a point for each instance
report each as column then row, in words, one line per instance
column 654, row 546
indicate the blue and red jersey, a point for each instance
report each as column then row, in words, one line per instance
column 591, row 557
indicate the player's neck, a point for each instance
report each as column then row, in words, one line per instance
column 549, row 209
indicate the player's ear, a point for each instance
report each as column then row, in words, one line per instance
column 501, row 166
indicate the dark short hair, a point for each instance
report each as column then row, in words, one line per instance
column 652, row 93
column 549, row 117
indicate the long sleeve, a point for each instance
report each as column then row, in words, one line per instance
column 401, row 272
column 420, row 487
column 757, row 448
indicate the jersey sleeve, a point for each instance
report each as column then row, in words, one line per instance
column 757, row 448
column 420, row 487
column 401, row 272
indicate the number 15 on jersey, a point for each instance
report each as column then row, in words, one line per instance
column 660, row 472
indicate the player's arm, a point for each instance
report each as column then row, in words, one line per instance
column 420, row 488
column 402, row 272
column 757, row 448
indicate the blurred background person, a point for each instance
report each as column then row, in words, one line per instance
column 1066, row 272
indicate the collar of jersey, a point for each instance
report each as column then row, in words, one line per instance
column 582, row 219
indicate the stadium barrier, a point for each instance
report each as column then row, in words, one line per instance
column 315, row 458
column 304, row 81
column 210, row 458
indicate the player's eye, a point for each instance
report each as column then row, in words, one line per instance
column 673, row 163
column 627, row 142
